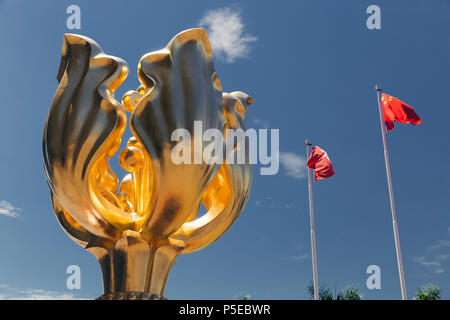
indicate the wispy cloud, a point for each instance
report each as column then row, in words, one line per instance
column 440, row 244
column 294, row 164
column 300, row 254
column 260, row 123
column 300, row 257
column 9, row 293
column 8, row 209
column 226, row 32
column 438, row 254
column 268, row 202
column 433, row 264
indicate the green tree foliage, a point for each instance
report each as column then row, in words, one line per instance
column 350, row 292
column 242, row 296
column 428, row 292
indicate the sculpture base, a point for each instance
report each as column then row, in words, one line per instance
column 132, row 268
column 132, row 295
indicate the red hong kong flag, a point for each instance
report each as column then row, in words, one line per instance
column 396, row 110
column 320, row 163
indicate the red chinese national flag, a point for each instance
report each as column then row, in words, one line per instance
column 320, row 163
column 396, row 110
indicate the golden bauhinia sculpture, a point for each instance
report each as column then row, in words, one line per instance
column 136, row 227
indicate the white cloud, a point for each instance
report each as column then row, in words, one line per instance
column 440, row 244
column 299, row 258
column 261, row 123
column 294, row 164
column 442, row 257
column 226, row 33
column 437, row 256
column 434, row 265
column 8, row 209
column 268, row 202
column 300, row 254
column 9, row 293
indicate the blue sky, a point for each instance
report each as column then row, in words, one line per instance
column 311, row 67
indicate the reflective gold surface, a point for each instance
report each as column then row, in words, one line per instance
column 137, row 226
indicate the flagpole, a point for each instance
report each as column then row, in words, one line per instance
column 313, row 235
column 391, row 198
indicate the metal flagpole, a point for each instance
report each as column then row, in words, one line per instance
column 313, row 235
column 391, row 197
